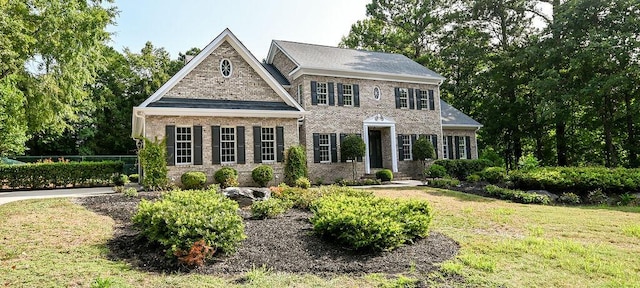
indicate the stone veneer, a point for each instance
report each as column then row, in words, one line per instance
column 155, row 127
column 463, row 132
column 206, row 82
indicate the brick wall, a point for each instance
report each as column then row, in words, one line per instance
column 284, row 64
column 464, row 132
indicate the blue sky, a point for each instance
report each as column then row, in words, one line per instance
column 180, row 25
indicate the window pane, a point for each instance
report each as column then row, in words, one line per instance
column 268, row 144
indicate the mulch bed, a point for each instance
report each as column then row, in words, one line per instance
column 284, row 244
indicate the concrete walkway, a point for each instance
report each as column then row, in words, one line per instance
column 6, row 197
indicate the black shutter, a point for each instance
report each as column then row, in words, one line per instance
column 197, row 145
column 257, row 144
column 215, row 144
column 340, row 95
column 457, row 146
column 314, row 93
column 342, row 136
column 414, row 137
column 356, row 95
column 240, row 146
column 279, row 143
column 434, row 142
column 450, row 147
column 400, row 148
column 397, row 90
column 359, row 158
column 467, row 141
column 432, row 103
column 334, row 148
column 418, row 100
column 170, row 136
column 316, row 148
column 332, row 96
column 411, row 99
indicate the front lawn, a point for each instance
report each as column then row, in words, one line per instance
column 53, row 242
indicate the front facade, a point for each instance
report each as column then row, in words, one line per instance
column 226, row 108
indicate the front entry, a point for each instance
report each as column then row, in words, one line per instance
column 375, row 148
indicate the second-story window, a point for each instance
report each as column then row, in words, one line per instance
column 404, row 98
column 424, row 99
column 321, row 90
column 347, row 94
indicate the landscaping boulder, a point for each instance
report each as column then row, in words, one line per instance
column 553, row 197
column 245, row 196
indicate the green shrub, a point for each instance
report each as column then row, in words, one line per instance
column 193, row 180
column 302, row 198
column 270, row 208
column 303, row 182
column 443, row 183
column 493, row 175
column 528, row 162
column 226, row 177
column 569, row 198
column 359, row 182
column 120, row 179
column 181, row 218
column 580, row 179
column 626, row 199
column 492, row 156
column 295, row 165
column 473, row 178
column 153, row 159
column 58, row 174
column 262, row 175
column 119, row 189
column 461, row 168
column 130, row 192
column 370, row 223
column 516, row 195
column 423, row 149
column 436, row 171
column 596, row 197
column 384, row 175
column 134, row 178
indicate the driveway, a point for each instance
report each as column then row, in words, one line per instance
column 6, row 197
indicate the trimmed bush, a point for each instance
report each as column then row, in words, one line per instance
column 58, row 174
column 181, row 218
column 262, row 175
column 516, row 195
column 443, row 183
column 153, row 159
column 226, row 177
column 193, row 180
column 359, row 182
column 384, row 175
column 303, row 182
column 461, row 168
column 302, row 198
column 436, row 171
column 569, row 198
column 493, row 175
column 370, row 223
column 579, row 179
column 295, row 165
column 134, row 178
column 130, row 192
column 270, row 208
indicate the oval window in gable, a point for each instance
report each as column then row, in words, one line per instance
column 376, row 93
column 226, row 68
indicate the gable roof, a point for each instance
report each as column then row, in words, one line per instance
column 229, row 37
column 315, row 59
column 452, row 117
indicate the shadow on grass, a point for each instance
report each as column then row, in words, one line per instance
column 462, row 196
column 630, row 209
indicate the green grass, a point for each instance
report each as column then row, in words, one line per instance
column 54, row 243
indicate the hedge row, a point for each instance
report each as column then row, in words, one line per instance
column 58, row 174
column 462, row 168
column 517, row 196
column 581, row 180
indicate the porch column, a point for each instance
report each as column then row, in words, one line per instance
column 367, row 161
column 394, row 149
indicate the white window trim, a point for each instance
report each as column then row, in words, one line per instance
column 272, row 147
column 406, row 98
column 425, row 99
column 379, row 93
column 328, row 145
column 326, row 93
column 462, row 148
column 404, row 147
column 235, row 145
column 345, row 94
column 230, row 68
column 445, row 147
column 175, row 151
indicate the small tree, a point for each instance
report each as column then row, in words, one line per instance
column 351, row 148
column 153, row 160
column 423, row 150
column 295, row 165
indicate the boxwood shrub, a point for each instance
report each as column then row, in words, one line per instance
column 493, row 175
column 270, row 208
column 193, row 180
column 181, row 218
column 384, row 175
column 435, row 171
column 262, row 175
column 516, row 195
column 370, row 223
column 302, row 198
column 59, row 174
column 226, row 177
column 461, row 168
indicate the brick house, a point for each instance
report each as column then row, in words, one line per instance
column 226, row 108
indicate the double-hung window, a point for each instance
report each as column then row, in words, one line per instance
column 445, row 147
column 324, row 148
column 404, row 98
column 321, row 91
column 227, row 145
column 347, row 94
column 406, row 147
column 462, row 148
column 184, row 145
column 424, row 99
column 268, row 144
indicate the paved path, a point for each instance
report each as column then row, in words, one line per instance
column 6, row 197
